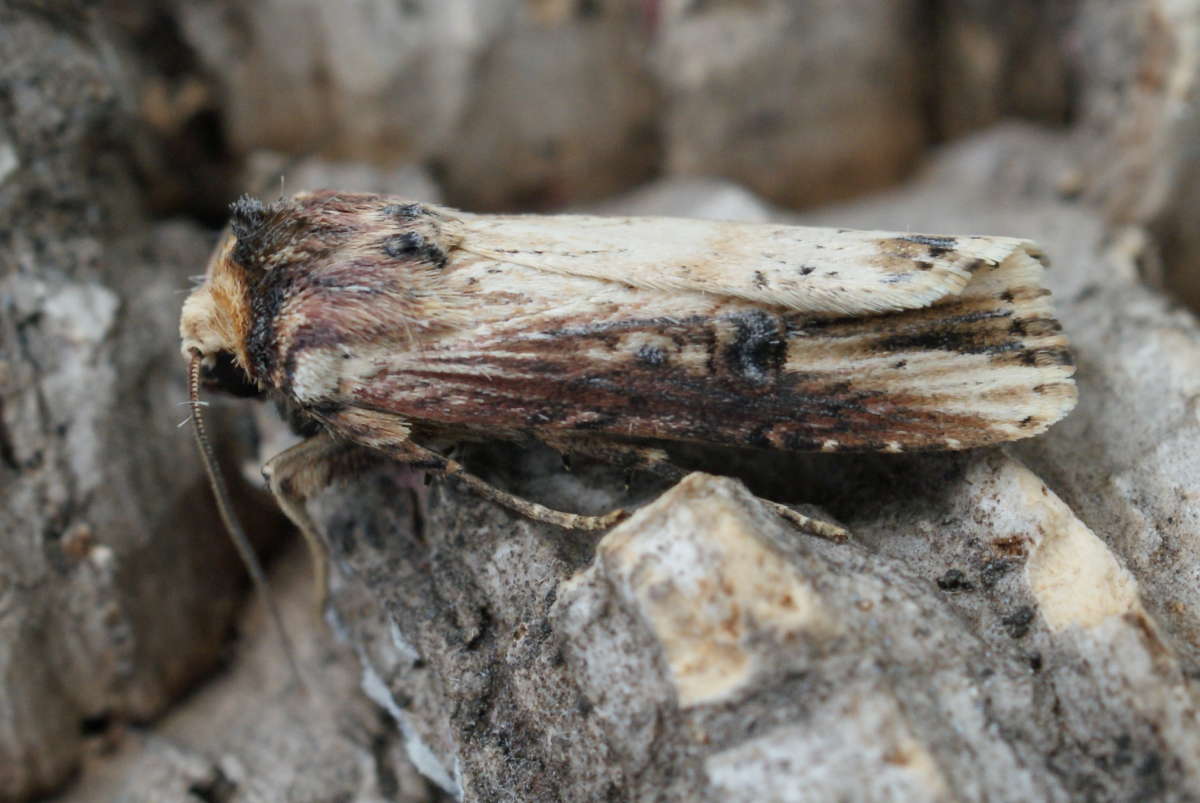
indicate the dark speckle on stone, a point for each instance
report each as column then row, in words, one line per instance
column 1017, row 623
column 343, row 533
column 1152, row 776
column 994, row 570
column 954, row 580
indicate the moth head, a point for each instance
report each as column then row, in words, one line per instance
column 213, row 326
column 215, row 321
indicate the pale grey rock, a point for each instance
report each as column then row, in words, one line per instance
column 682, row 196
column 114, row 596
column 1006, row 625
column 997, row 59
column 9, row 161
column 257, row 734
column 117, row 584
column 804, row 103
column 276, row 174
column 561, row 111
column 375, row 79
column 1139, row 118
column 709, row 651
column 518, row 103
column 454, row 633
column 103, row 506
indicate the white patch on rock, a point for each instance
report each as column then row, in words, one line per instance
column 858, row 746
column 1075, row 578
column 82, row 313
column 9, row 161
column 424, row 759
column 710, row 586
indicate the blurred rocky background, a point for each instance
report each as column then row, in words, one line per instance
column 1015, row 624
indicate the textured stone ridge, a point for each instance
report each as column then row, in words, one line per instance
column 701, row 573
column 708, row 651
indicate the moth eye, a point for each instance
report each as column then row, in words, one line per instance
column 225, row 376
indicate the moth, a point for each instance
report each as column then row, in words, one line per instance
column 405, row 327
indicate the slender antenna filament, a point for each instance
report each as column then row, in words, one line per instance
column 216, row 481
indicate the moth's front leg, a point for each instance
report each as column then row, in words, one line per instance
column 293, row 476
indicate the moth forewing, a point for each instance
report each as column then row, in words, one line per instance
column 390, row 323
column 802, row 268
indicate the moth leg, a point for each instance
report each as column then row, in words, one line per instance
column 817, row 527
column 295, row 474
column 428, row 460
column 389, row 434
column 656, row 461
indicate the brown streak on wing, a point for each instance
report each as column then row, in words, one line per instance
column 752, row 387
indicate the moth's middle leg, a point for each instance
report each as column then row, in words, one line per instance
column 389, row 434
column 657, row 462
column 295, row 474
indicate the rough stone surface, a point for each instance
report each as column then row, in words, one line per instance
column 272, row 172
column 566, row 111
column 256, row 733
column 1139, row 124
column 993, row 59
column 538, row 103
column 517, row 103
column 117, row 586
column 801, row 102
column 378, row 79
column 104, row 523
column 709, row 651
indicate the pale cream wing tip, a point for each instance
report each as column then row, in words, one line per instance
column 1022, row 397
column 819, row 270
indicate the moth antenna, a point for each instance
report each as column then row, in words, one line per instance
column 216, row 481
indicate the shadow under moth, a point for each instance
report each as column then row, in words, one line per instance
column 406, row 328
